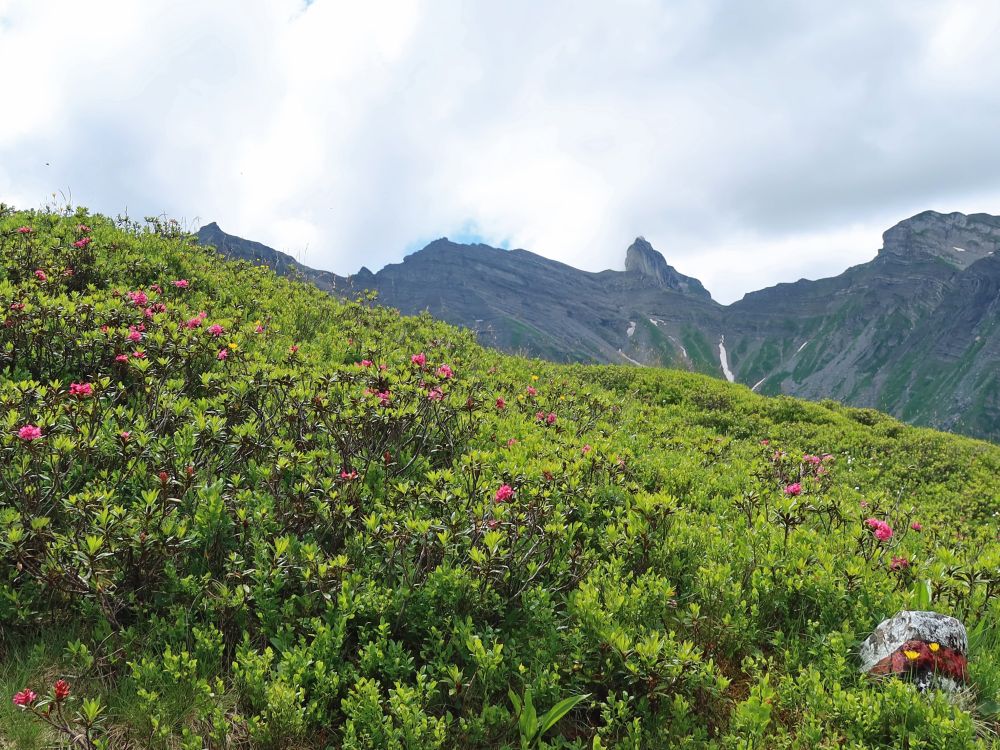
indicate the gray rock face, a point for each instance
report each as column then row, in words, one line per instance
column 929, row 648
column 929, row 627
column 641, row 258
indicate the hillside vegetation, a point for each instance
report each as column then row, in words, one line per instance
column 236, row 512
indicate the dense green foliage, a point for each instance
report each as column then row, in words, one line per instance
column 254, row 516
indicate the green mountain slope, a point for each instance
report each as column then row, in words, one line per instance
column 240, row 512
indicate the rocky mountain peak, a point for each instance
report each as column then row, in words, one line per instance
column 642, row 258
column 957, row 238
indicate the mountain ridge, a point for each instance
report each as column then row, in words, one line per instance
column 915, row 331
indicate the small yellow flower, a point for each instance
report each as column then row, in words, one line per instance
column 934, row 646
column 911, row 655
column 534, row 377
column 233, row 345
column 562, row 398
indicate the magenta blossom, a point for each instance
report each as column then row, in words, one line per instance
column 793, row 489
column 216, row 330
column 881, row 530
column 25, row 698
column 223, row 354
column 29, row 432
column 24, row 230
column 121, row 358
column 916, row 526
column 586, row 449
column 899, row 563
column 82, row 242
column 82, row 228
column 365, row 363
column 384, row 397
column 501, row 404
column 139, row 298
column 551, row 418
column 419, row 359
column 505, row 493
column 80, row 390
column 435, row 394
column 40, row 275
column 445, row 372
column 532, row 391
column 182, row 283
column 511, row 442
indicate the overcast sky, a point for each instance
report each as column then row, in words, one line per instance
column 751, row 143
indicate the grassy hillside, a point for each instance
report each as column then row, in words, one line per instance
column 235, row 512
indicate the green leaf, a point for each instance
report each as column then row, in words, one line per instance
column 554, row 714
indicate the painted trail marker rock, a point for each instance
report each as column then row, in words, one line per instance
column 928, row 648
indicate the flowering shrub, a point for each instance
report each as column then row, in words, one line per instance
column 230, row 527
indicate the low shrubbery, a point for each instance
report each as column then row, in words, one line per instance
column 237, row 512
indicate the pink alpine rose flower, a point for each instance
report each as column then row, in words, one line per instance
column 216, row 330
column 916, row 526
column 60, row 690
column 532, row 391
column 501, row 404
column 505, row 493
column 793, row 489
column 419, row 359
column 121, row 358
column 80, row 390
column 29, row 432
column 40, row 275
column 82, row 228
column 435, row 394
column 82, row 243
column 551, row 418
column 182, row 283
column 25, row 698
column 881, row 530
column 139, row 298
column 24, row 230
column 223, row 354
column 445, row 372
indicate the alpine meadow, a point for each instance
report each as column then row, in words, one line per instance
column 237, row 512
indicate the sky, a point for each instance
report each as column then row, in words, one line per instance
column 751, row 143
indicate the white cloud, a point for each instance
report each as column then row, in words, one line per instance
column 751, row 143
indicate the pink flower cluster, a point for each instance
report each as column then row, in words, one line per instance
column 81, row 390
column 445, row 372
column 793, row 489
column 505, row 493
column 139, row 298
column 881, row 530
column 549, row 418
column 216, row 330
column 182, row 283
column 82, row 243
column 24, row 230
column 29, row 432
column 25, row 698
column 419, row 359
column 197, row 320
